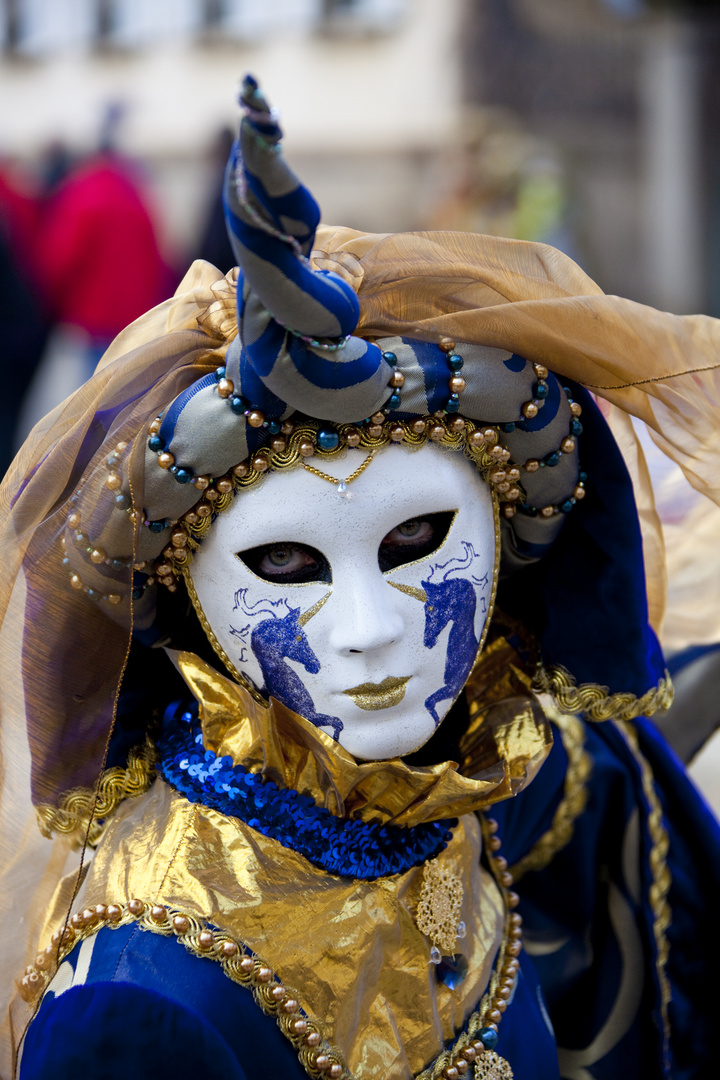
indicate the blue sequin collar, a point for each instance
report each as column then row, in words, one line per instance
column 349, row 848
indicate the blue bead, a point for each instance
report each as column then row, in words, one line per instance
column 452, row 970
column 183, row 476
column 219, row 373
column 456, row 362
column 453, row 404
column 566, row 507
column 122, row 502
column 390, row 358
column 576, row 428
column 507, row 428
column 552, row 459
column 328, row 440
column 156, row 444
column 237, row 405
column 582, row 477
column 273, row 426
column 137, row 594
column 488, row 1037
column 156, row 526
column 394, row 400
column 541, row 390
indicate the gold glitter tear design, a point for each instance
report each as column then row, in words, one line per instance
column 438, row 913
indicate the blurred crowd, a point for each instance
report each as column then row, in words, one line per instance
column 80, row 259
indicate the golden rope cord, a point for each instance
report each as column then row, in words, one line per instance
column 594, row 702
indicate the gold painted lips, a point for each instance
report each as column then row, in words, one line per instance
column 382, row 695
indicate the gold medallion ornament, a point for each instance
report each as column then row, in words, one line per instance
column 490, row 1066
column 438, row 913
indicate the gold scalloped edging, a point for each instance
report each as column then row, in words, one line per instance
column 594, row 702
column 662, row 879
column 296, row 444
column 573, row 802
column 76, row 807
column 318, row 1057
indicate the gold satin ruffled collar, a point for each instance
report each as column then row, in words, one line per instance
column 506, row 741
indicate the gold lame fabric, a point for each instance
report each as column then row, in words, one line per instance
column 663, row 369
column 352, row 951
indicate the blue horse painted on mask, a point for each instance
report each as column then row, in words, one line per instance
column 453, row 601
column 273, row 642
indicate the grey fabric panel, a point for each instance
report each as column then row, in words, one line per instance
column 345, row 406
column 493, row 393
column 288, row 302
column 511, row 559
column 209, row 437
column 232, row 361
column 265, row 162
column 536, row 444
column 164, row 497
column 413, row 398
column 548, row 487
column 537, row 530
column 293, row 226
column 255, row 318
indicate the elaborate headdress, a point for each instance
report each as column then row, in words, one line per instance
column 329, row 339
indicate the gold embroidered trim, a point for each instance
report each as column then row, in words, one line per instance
column 594, row 701
column 662, row 879
column 573, row 802
column 73, row 812
column 438, row 913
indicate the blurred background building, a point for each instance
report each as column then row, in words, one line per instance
column 593, row 125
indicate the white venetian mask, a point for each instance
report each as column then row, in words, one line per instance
column 364, row 615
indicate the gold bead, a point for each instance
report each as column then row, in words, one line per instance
column 457, row 384
column 163, row 570
column 541, row 372
column 154, row 427
column 181, row 924
column 247, row 964
column 279, row 444
column 335, row 1071
column 229, row 949
column 114, row 598
column 437, row 432
column 567, row 445
column 312, row 1038
column 206, row 940
column 397, row 379
column 42, row 961
column 514, row 948
column 76, row 582
column 450, row 1072
column 255, row 418
column 447, row 344
column 378, row 418
column 113, row 912
column 136, row 518
column 469, row 1053
column 306, row 448
column 513, row 473
column 179, row 538
column 493, row 1018
column 461, row 1065
column 476, row 439
column 165, row 461
column 419, row 426
column 494, row 843
column 503, row 993
column 201, row 482
column 300, row 1026
column 241, row 470
column 260, row 463
column 547, row 511
column 497, row 475
column 509, row 511
column 158, row 913
column 287, row 427
column 457, row 424
column 375, row 431
column 500, row 1005
column 397, row 433
column 506, row 879
column 352, row 437
column 113, row 480
column 136, row 907
column 490, row 436
column 278, row 992
column 224, row 485
column 203, row 511
column 513, row 899
column 497, row 452
column 191, row 517
column 290, row 1006
column 322, row 1062
column 531, row 465
column 529, row 410
column 211, row 495
column 121, row 446
column 101, row 911
column 503, row 487
column 263, row 974
column 225, row 388
column 89, row 916
column 576, row 409
column 579, row 492
column 516, row 919
column 74, row 520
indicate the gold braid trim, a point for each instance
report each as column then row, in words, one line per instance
column 318, row 1057
column 77, row 806
column 662, row 879
column 573, row 802
column 594, row 701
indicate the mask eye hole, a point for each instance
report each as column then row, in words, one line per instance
column 414, row 539
column 287, row 563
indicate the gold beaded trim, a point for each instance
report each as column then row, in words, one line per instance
column 76, row 807
column 594, row 702
column 318, row 1057
column 662, row 879
column 297, row 442
column 573, row 802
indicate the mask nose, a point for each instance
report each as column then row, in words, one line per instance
column 366, row 616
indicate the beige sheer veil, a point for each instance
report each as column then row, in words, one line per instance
column 62, row 653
